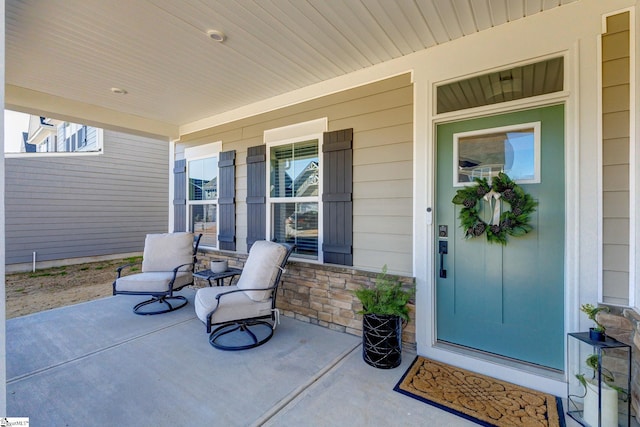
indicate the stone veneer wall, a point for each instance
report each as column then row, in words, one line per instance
column 624, row 325
column 321, row 294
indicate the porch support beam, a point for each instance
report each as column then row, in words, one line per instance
column 43, row 104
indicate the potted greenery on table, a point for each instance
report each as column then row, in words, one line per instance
column 384, row 310
column 597, row 332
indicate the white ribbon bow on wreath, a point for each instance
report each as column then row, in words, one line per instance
column 493, row 197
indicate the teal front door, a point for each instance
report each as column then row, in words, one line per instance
column 507, row 300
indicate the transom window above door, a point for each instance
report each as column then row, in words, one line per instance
column 520, row 82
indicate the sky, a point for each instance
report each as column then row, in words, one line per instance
column 14, row 124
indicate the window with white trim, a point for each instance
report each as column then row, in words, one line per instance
column 294, row 195
column 294, row 186
column 202, row 197
column 300, row 189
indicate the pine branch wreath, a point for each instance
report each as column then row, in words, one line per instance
column 514, row 222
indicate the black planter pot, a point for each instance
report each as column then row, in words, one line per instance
column 382, row 340
column 596, row 335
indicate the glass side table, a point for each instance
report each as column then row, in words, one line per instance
column 596, row 404
column 210, row 276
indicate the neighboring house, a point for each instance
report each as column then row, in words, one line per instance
column 66, row 207
column 57, row 136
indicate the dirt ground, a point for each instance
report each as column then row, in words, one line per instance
column 59, row 286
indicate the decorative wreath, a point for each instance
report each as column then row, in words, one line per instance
column 514, row 222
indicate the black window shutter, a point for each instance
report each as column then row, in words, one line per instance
column 256, row 194
column 337, row 204
column 227, row 201
column 180, row 195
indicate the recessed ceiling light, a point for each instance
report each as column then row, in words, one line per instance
column 216, row 35
column 118, row 91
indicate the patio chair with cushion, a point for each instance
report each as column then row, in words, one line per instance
column 243, row 310
column 167, row 266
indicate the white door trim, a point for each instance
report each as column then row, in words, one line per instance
column 426, row 311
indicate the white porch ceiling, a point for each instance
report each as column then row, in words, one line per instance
column 158, row 50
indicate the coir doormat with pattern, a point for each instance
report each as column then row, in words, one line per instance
column 481, row 399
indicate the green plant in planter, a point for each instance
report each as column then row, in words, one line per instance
column 592, row 311
column 600, row 405
column 384, row 310
column 386, row 297
column 607, row 375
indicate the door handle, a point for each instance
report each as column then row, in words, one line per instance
column 443, row 249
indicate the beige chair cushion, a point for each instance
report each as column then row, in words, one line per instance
column 157, row 281
column 235, row 306
column 261, row 268
column 164, row 252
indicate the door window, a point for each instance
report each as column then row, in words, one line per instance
column 513, row 150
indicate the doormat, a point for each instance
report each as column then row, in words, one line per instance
column 478, row 398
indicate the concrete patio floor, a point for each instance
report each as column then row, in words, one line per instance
column 98, row 364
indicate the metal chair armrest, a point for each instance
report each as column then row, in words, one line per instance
column 233, row 291
column 175, row 270
column 122, row 267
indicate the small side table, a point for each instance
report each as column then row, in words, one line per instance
column 580, row 346
column 218, row 277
